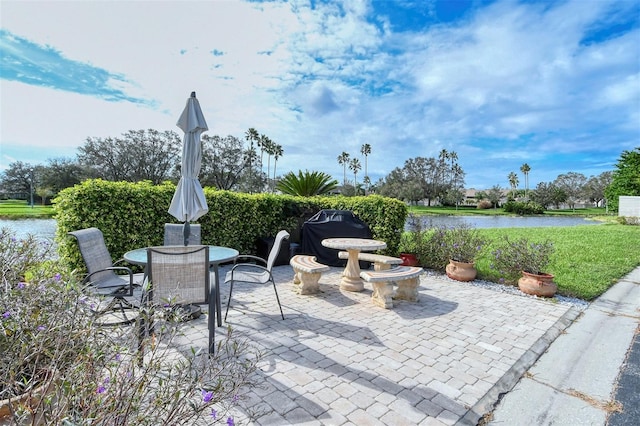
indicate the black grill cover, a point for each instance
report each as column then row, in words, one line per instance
column 330, row 224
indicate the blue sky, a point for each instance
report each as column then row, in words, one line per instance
column 555, row 84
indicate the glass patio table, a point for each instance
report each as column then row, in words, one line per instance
column 217, row 255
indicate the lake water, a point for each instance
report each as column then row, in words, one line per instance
column 45, row 229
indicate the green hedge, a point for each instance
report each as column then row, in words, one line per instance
column 133, row 215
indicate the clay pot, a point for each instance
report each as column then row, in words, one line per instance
column 537, row 284
column 30, row 399
column 409, row 259
column 461, row 271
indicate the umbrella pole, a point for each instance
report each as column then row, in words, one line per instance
column 186, row 231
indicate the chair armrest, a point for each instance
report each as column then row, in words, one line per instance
column 250, row 257
column 115, row 268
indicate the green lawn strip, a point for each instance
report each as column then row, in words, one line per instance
column 587, row 261
column 473, row 211
column 19, row 209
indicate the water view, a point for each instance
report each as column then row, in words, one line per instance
column 45, row 228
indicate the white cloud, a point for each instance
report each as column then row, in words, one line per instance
column 507, row 83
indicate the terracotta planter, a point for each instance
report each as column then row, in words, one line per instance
column 461, row 271
column 30, row 399
column 537, row 284
column 409, row 259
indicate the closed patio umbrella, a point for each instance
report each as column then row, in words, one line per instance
column 189, row 202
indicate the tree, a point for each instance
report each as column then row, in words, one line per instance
column 355, row 166
column 547, row 193
column 367, row 184
column 277, row 153
column 18, row 178
column 61, row 173
column 572, row 184
column 495, row 195
column 224, row 162
column 365, row 150
column 596, row 186
column 525, row 169
column 252, row 136
column 625, row 179
column 513, row 183
column 343, row 159
column 269, row 147
column 306, row 184
column 137, row 155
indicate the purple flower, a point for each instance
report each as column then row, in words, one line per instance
column 101, row 389
column 235, row 398
column 207, row 396
column 41, row 328
column 21, row 285
column 214, row 414
column 230, row 422
column 6, row 315
column 118, row 357
column 57, row 277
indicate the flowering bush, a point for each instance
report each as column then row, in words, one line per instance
column 436, row 246
column 511, row 258
column 463, row 243
column 48, row 334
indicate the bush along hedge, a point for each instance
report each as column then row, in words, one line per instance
column 132, row 215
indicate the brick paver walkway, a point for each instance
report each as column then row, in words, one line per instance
column 337, row 359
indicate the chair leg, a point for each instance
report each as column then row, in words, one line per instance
column 228, row 301
column 278, row 299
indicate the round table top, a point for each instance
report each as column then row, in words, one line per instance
column 364, row 244
column 217, row 254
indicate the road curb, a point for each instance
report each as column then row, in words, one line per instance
column 487, row 403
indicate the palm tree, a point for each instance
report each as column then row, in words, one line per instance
column 365, row 150
column 307, row 184
column 268, row 146
column 525, row 170
column 277, row 153
column 367, row 183
column 251, row 135
column 262, row 144
column 355, row 166
column 344, row 160
column 513, row 181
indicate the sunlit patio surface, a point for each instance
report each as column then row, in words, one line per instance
column 337, row 359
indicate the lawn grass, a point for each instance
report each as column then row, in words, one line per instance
column 587, row 259
column 20, row 209
column 473, row 211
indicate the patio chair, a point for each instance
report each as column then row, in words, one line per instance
column 178, row 278
column 174, row 234
column 102, row 279
column 255, row 273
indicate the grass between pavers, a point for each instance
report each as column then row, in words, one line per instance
column 587, row 260
column 20, row 209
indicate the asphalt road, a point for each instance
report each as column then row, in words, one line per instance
column 628, row 390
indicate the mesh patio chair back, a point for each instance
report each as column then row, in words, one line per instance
column 102, row 279
column 174, row 234
column 178, row 274
column 258, row 272
column 100, row 268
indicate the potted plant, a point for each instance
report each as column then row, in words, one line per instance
column 527, row 262
column 463, row 243
column 410, row 241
